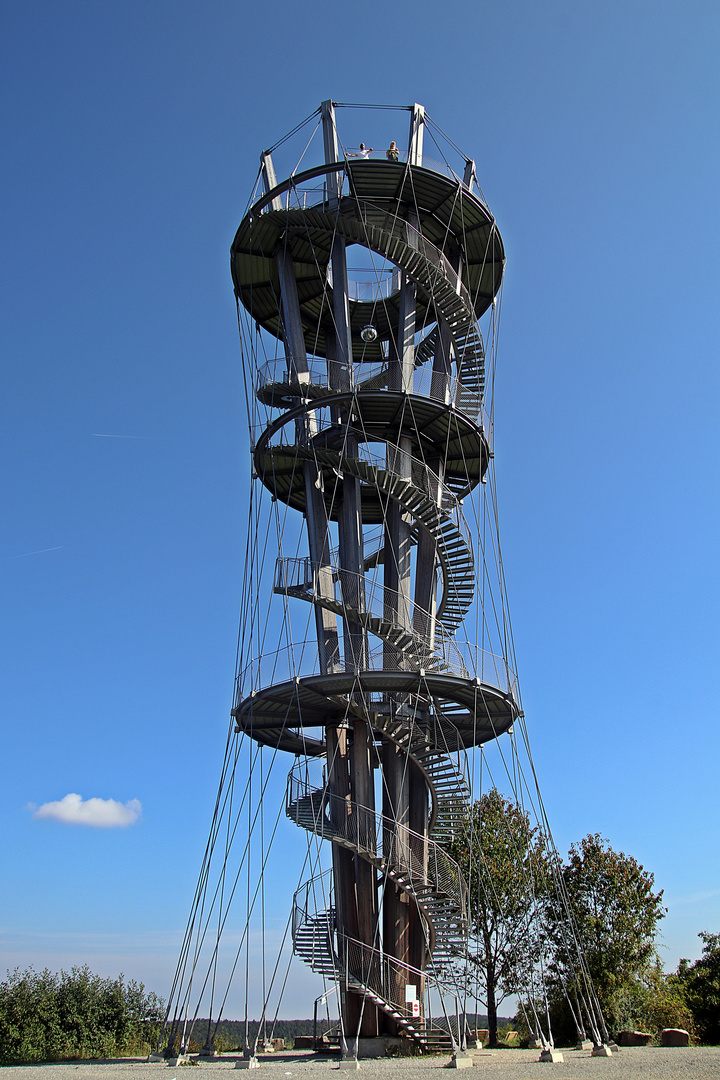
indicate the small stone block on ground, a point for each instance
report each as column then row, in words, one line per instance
column 553, row 1056
column 460, row 1061
column 601, row 1051
column 675, row 1037
column 156, row 1055
column 584, row 1044
column 247, row 1063
column 348, row 1063
column 634, row 1038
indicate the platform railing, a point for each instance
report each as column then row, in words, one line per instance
column 302, row 181
column 385, row 283
column 374, row 375
column 301, row 658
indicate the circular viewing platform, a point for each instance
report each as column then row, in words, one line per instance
column 406, row 213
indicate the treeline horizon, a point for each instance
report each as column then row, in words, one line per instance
column 230, row 1034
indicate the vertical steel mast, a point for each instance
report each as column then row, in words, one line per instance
column 369, row 431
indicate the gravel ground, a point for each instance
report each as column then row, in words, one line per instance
column 631, row 1063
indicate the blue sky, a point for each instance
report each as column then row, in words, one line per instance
column 131, row 135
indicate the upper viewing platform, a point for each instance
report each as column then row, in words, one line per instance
column 398, row 211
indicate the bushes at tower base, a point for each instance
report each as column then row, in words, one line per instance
column 700, row 985
column 648, row 1001
column 50, row 1017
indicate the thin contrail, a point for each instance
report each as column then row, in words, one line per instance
column 40, row 551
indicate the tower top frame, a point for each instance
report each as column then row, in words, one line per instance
column 371, row 198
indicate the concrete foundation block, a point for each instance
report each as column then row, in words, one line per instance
column 634, row 1038
column 173, row 1062
column 552, row 1056
column 675, row 1037
column 584, row 1044
column 348, row 1064
column 374, row 1046
column 156, row 1055
column 603, row 1050
column 247, row 1063
column 460, row 1060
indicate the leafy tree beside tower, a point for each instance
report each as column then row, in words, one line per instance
column 505, row 862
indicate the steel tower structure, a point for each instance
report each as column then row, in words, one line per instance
column 369, row 432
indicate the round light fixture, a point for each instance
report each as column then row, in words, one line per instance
column 368, row 333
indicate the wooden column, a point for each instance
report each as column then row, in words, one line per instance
column 426, row 554
column 358, row 917
column 400, row 915
column 346, row 913
column 315, row 511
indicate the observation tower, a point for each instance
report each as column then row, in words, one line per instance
column 374, row 648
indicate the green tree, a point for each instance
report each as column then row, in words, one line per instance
column 700, row 984
column 616, row 912
column 506, row 864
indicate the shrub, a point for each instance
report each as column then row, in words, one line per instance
column 650, row 1003
column 51, row 1017
column 699, row 983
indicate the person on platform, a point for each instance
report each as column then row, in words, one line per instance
column 362, row 152
column 392, row 153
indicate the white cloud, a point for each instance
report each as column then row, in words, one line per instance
column 99, row 813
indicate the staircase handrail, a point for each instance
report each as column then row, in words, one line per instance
column 370, row 597
column 421, row 861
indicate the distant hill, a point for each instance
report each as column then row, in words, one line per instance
column 231, row 1033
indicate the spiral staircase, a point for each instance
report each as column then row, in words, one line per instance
column 421, row 446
